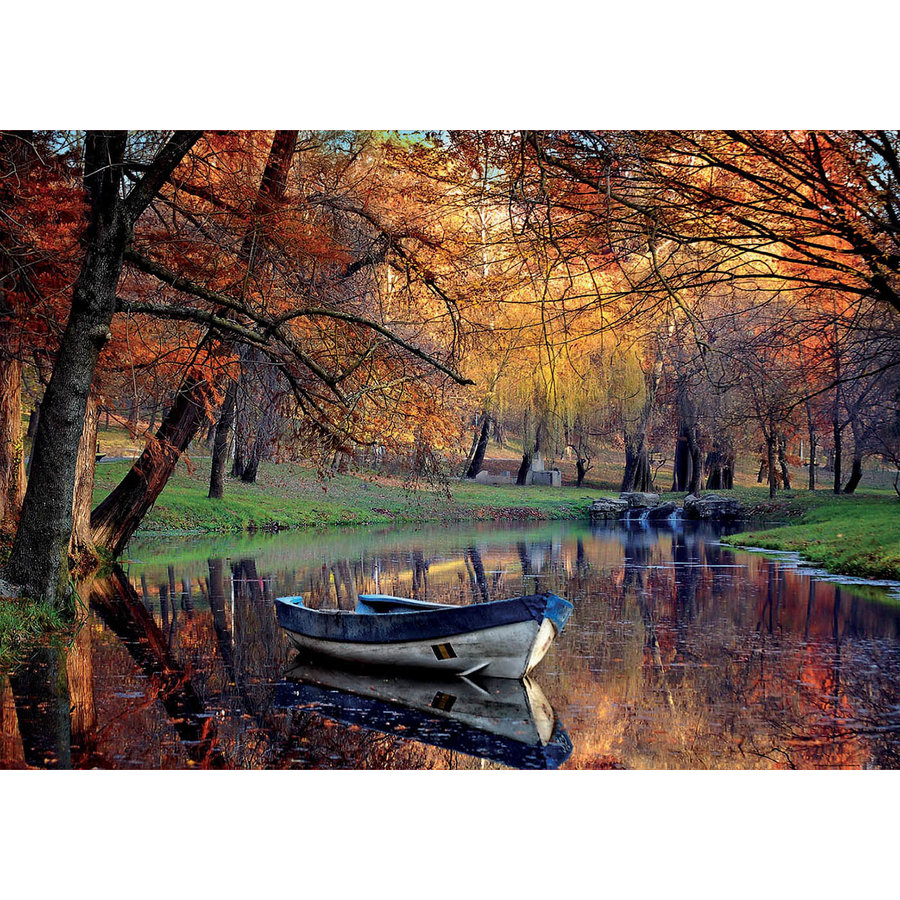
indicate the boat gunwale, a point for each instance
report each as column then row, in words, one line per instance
column 392, row 628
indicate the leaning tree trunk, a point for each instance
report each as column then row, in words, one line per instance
column 480, row 448
column 527, row 450
column 856, row 471
column 116, row 519
column 143, row 485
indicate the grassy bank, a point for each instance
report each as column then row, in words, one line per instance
column 857, row 535
column 21, row 623
column 290, row 496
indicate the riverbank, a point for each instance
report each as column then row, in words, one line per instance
column 856, row 535
column 291, row 496
column 21, row 623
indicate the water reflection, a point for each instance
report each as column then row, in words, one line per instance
column 502, row 720
column 680, row 653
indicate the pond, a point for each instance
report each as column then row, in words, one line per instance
column 681, row 653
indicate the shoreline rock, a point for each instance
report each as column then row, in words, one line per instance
column 712, row 507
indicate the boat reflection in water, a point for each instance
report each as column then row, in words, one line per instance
column 503, row 720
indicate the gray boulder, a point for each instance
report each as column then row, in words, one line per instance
column 712, row 506
column 608, row 508
column 662, row 512
column 639, row 499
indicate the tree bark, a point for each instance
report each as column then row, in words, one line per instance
column 770, row 457
column 480, row 448
column 813, row 450
column 39, row 557
column 33, row 420
column 856, row 473
column 15, row 160
column 220, row 444
column 694, row 450
column 524, row 466
column 837, row 431
column 81, row 543
column 580, row 470
column 12, row 455
column 782, row 463
column 116, row 519
column 637, row 475
column 683, row 463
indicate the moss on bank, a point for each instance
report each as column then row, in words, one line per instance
column 856, row 535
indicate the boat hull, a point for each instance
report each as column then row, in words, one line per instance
column 503, row 639
column 505, row 651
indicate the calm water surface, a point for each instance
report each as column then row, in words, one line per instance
column 681, row 653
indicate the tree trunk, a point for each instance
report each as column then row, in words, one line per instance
column 39, row 558
column 637, row 475
column 266, row 431
column 856, row 473
column 12, row 456
column 837, row 431
column 15, row 160
column 81, row 543
column 683, row 463
column 770, row 457
column 220, row 444
column 524, row 466
column 33, row 421
column 695, row 457
column 527, row 449
column 782, row 463
column 813, row 450
column 580, row 470
column 480, row 448
column 116, row 519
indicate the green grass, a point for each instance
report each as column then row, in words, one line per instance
column 856, row 535
column 290, row 496
column 21, row 623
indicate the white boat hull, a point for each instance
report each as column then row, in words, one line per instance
column 503, row 651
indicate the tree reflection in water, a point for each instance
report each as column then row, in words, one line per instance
column 681, row 653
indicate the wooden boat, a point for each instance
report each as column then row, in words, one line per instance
column 503, row 639
column 499, row 719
